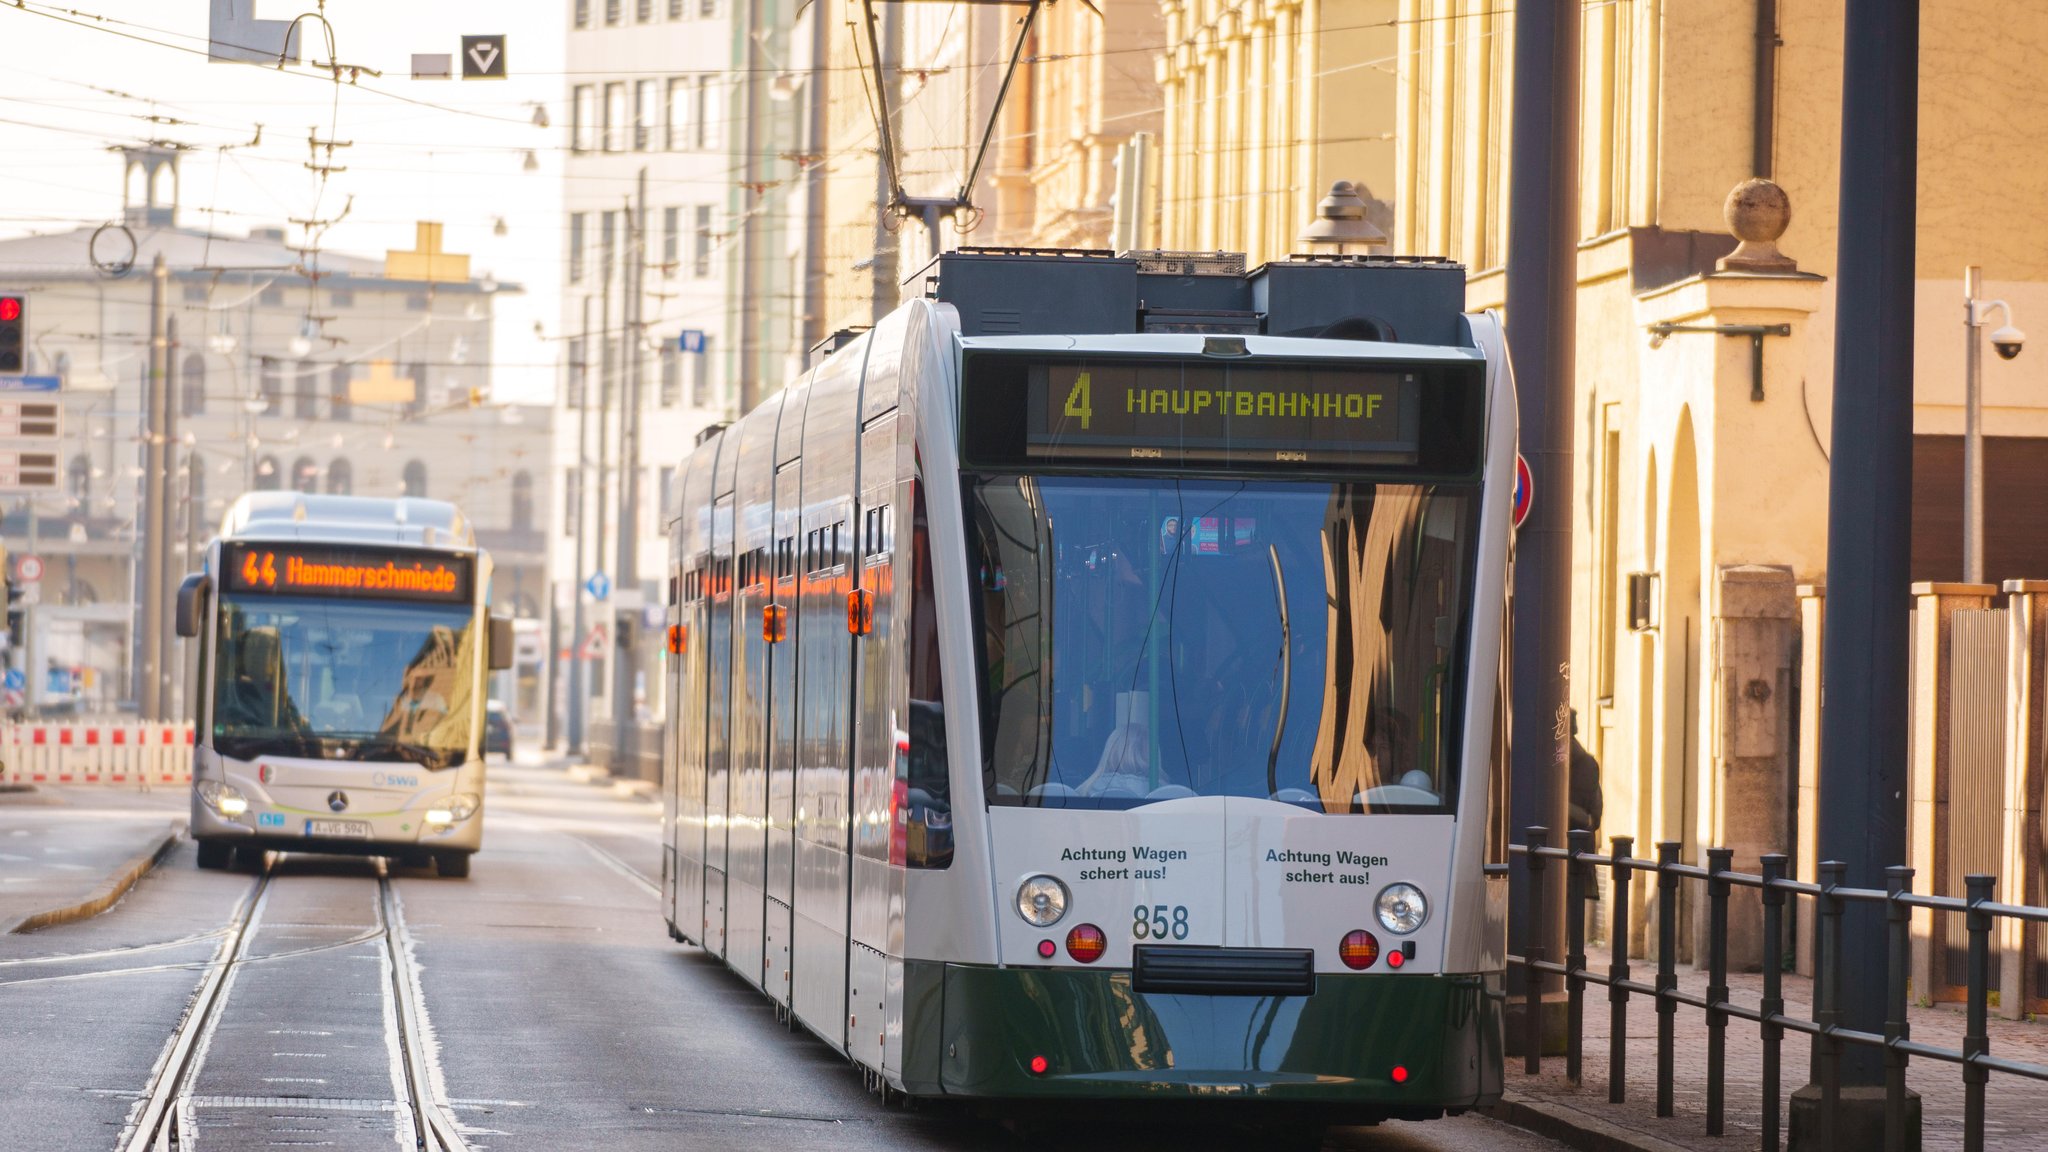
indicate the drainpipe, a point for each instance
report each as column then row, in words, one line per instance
column 1764, row 108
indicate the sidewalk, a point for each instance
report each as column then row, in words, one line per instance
column 2016, row 1110
column 70, row 853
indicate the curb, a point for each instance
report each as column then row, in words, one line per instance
column 105, row 896
column 631, row 786
column 1573, row 1128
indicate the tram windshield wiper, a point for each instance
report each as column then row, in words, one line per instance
column 1286, row 671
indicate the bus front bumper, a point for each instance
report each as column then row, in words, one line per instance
column 379, row 834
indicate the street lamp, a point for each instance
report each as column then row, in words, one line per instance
column 2007, row 340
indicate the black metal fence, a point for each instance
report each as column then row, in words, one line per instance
column 1829, row 1034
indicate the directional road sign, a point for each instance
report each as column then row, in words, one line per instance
column 599, row 586
column 432, row 66
column 16, row 680
column 31, row 419
column 483, row 57
column 28, row 471
column 15, row 382
column 692, row 340
column 29, row 569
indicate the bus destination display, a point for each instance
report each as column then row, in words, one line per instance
column 1280, row 413
column 284, row 569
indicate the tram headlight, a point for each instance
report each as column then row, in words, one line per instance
column 1041, row 901
column 1402, row 908
column 225, row 799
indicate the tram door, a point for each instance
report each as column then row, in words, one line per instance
column 782, row 739
column 717, row 722
column 756, row 647
column 881, row 728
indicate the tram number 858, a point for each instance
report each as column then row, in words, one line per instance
column 1153, row 924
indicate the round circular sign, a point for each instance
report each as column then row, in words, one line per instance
column 30, row 569
column 1525, row 489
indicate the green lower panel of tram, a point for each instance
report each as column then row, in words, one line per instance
column 1394, row 1042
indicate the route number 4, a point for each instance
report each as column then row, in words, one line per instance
column 1079, row 403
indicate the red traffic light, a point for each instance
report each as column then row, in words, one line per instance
column 10, row 308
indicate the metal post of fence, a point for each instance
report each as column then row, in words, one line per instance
column 1532, row 953
column 1898, row 880
column 1827, row 1002
column 1773, row 1004
column 1622, row 848
column 1976, row 1035
column 1718, row 860
column 1577, row 881
column 1667, row 968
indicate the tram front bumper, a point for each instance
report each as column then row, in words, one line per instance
column 1340, row 1045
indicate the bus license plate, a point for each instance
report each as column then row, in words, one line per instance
column 340, row 829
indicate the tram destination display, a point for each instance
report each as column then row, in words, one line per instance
column 1286, row 413
column 289, row 569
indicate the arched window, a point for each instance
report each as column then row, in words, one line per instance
column 78, row 480
column 267, row 478
column 192, row 386
column 305, row 474
column 522, row 501
column 270, row 385
column 418, row 372
column 341, row 477
column 415, row 479
column 306, row 391
column 337, row 393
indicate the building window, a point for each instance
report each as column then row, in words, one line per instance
column 643, row 10
column 196, row 293
column 700, row 375
column 611, row 11
column 671, row 375
column 572, row 499
column 614, row 117
column 271, row 297
column 78, row 481
column 577, row 221
column 607, row 244
column 415, row 479
column 192, row 386
column 578, row 372
column 305, row 475
column 676, row 129
column 700, row 252
column 706, row 109
column 266, row 474
column 342, row 298
column 338, row 406
column 708, row 9
column 522, row 501
column 583, row 13
column 418, row 372
column 675, row 9
column 671, row 239
column 667, row 494
column 417, row 302
column 270, row 386
column 582, row 117
column 646, row 114
column 305, row 393
column 341, row 477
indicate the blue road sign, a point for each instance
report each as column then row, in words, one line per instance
column 17, row 680
column 599, row 586
column 14, row 382
column 692, row 340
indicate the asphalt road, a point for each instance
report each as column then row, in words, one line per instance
column 554, row 1012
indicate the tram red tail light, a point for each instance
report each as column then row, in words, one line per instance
column 678, row 639
column 1040, row 1065
column 1395, row 958
column 860, row 612
column 1086, row 943
column 774, row 623
column 1359, row 949
column 1400, row 1074
column 1047, row 949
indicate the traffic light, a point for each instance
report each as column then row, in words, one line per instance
column 16, row 614
column 13, row 325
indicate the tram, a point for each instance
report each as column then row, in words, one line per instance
column 1084, row 686
column 343, row 644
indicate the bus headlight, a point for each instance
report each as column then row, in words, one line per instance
column 225, row 799
column 1402, row 908
column 454, row 809
column 1041, row 901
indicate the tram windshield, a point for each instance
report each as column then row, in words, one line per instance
column 344, row 680
column 1148, row 639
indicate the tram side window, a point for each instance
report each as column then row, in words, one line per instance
column 924, row 768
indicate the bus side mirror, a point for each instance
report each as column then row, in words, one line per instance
column 191, row 598
column 501, row 643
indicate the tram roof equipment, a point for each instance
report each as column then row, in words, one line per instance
column 363, row 519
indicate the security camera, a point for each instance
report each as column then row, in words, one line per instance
column 2008, row 341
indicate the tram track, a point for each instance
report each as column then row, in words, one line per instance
column 165, row 1122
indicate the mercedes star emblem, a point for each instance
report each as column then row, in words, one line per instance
column 338, row 801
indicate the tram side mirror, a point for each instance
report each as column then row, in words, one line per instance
column 501, row 643
column 191, row 599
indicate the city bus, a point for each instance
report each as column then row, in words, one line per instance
column 342, row 648
column 1085, row 688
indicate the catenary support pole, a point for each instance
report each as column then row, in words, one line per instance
column 578, row 696
column 1973, row 428
column 1542, row 283
column 154, row 531
column 1863, row 753
column 627, row 600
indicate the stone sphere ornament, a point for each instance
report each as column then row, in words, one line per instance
column 1758, row 212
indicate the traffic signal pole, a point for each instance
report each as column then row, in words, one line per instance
column 155, row 532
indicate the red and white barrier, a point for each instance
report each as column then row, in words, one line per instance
column 120, row 752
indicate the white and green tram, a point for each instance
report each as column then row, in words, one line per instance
column 338, row 695
column 1084, row 685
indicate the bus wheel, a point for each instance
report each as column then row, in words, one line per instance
column 453, row 865
column 249, row 858
column 215, row 855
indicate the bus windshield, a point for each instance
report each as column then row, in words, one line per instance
column 1148, row 639
column 344, row 680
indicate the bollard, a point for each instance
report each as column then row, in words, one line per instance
column 1717, row 986
column 1532, row 978
column 1667, row 969
column 1898, row 880
column 1773, row 1005
column 1577, row 881
column 1827, row 999
column 1976, row 1035
column 1623, row 848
